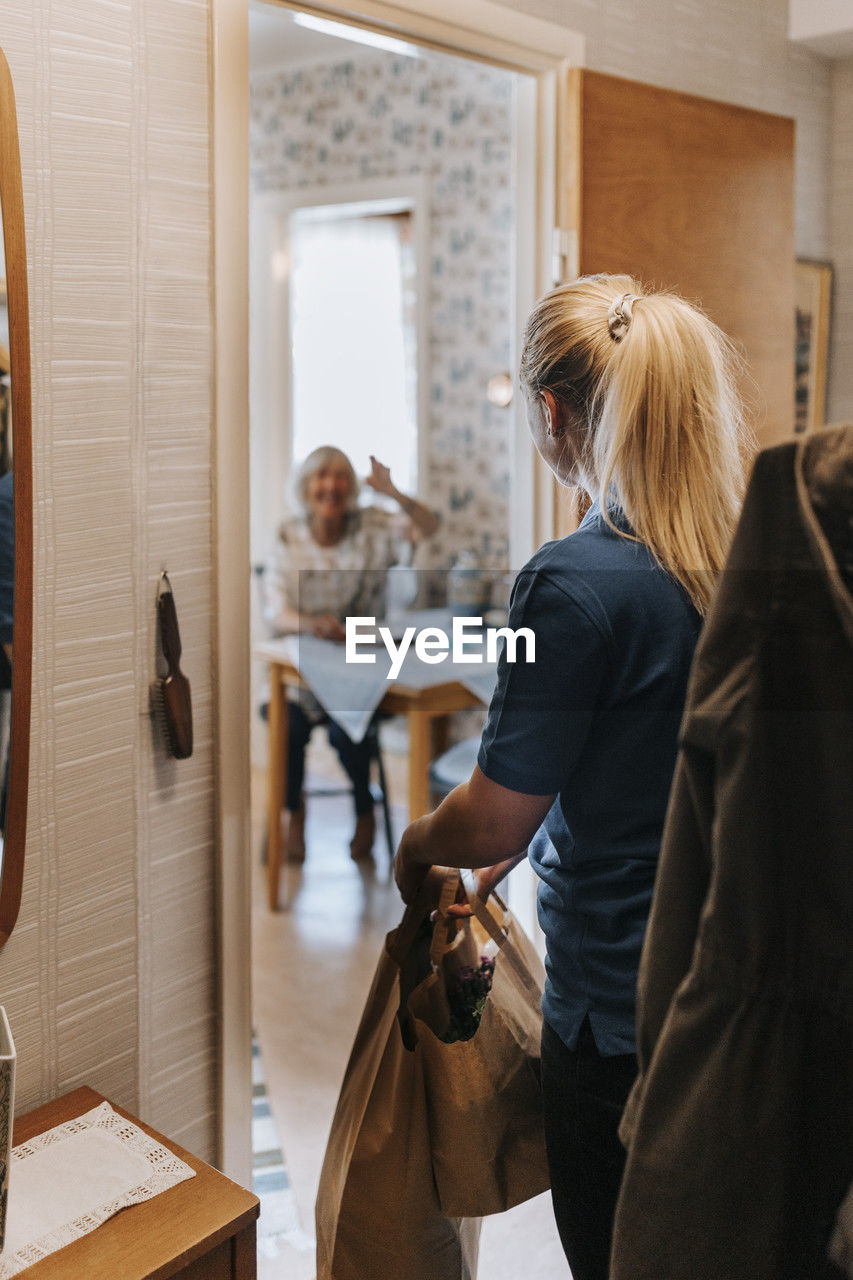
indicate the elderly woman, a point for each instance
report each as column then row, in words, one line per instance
column 331, row 561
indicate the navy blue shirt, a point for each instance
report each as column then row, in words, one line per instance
column 594, row 720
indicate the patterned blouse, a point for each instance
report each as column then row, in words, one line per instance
column 347, row 578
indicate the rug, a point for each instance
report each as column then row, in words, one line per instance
column 279, row 1221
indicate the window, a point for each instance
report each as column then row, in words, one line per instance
column 354, row 338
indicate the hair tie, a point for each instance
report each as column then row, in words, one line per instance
column 620, row 315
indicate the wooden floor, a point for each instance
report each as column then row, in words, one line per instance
column 312, row 965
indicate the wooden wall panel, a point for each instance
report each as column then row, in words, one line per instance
column 698, row 196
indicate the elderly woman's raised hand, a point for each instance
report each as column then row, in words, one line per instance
column 380, row 479
column 423, row 521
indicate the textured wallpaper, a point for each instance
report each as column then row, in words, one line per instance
column 108, row 978
column 382, row 116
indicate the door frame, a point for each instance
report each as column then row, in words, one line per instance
column 477, row 29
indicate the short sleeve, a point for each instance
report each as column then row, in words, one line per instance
column 540, row 715
column 281, row 584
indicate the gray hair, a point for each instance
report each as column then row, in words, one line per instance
column 318, row 458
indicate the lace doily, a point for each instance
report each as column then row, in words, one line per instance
column 67, row 1181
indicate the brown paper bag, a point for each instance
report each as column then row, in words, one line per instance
column 377, row 1211
column 484, row 1108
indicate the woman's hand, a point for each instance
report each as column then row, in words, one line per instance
column 380, row 479
column 423, row 521
column 486, row 879
column 325, row 626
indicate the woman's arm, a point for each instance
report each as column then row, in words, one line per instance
column 424, row 520
column 325, row 625
column 281, row 588
column 480, row 824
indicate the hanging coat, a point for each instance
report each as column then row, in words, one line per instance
column 740, row 1127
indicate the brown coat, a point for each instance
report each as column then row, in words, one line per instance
column 740, row 1126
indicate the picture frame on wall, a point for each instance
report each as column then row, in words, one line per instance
column 813, row 293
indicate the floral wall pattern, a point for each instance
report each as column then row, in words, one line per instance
column 380, row 116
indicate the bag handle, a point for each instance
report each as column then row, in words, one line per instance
column 500, row 935
column 443, row 883
column 497, row 929
column 445, row 925
column 400, row 941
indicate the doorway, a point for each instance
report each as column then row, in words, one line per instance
column 474, row 28
column 427, row 162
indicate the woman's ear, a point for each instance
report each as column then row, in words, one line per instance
column 553, row 413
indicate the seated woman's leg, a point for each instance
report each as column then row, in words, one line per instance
column 355, row 758
column 298, row 732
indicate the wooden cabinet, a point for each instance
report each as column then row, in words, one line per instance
column 202, row 1229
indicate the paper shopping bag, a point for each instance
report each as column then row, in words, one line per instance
column 377, row 1211
column 483, row 1097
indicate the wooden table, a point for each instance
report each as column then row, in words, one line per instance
column 423, row 708
column 202, row 1229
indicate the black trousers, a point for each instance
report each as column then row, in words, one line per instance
column 584, row 1095
column 354, row 756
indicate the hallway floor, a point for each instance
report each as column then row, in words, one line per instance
column 312, row 966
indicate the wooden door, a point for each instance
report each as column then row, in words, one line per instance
column 696, row 196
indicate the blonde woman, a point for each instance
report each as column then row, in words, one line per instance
column 629, row 395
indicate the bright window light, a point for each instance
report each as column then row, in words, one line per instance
column 354, row 358
column 359, row 35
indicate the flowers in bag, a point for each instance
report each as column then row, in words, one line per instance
column 467, row 991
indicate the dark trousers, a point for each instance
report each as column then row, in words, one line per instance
column 354, row 756
column 584, row 1095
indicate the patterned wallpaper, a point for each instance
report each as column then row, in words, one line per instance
column 382, row 116
column 109, row 977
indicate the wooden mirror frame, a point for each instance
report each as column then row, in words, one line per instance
column 14, row 238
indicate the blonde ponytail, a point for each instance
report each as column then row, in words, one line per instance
column 653, row 378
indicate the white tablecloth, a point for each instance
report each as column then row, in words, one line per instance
column 350, row 692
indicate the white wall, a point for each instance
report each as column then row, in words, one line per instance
column 825, row 25
column 840, row 402
column 109, row 976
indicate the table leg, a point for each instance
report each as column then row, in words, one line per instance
column 276, row 771
column 440, row 735
column 420, row 745
column 244, row 1254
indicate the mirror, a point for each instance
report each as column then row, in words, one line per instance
column 16, row 540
